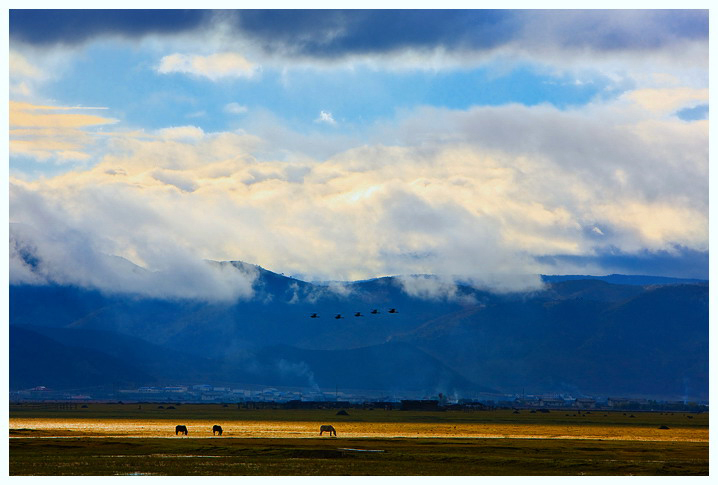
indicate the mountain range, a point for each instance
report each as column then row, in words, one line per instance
column 616, row 335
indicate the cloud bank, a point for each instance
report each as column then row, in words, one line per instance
column 490, row 190
column 333, row 33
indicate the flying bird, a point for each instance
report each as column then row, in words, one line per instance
column 313, row 315
column 374, row 311
column 338, row 316
column 358, row 314
column 393, row 310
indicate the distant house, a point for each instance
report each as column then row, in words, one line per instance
column 203, row 388
column 585, row 403
column 423, row 405
column 386, row 405
column 620, row 402
column 528, row 402
column 551, row 402
column 148, row 389
column 175, row 389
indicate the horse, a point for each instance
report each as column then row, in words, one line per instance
column 328, row 428
column 181, row 428
column 217, row 429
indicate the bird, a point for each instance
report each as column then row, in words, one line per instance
column 393, row 310
column 374, row 311
column 338, row 316
column 358, row 314
column 313, row 315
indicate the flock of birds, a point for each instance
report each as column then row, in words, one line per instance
column 356, row 314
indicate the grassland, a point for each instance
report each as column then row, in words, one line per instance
column 631, row 443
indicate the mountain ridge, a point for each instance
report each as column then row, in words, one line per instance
column 562, row 337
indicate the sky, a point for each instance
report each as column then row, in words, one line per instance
column 478, row 145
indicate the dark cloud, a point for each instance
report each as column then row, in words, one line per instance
column 613, row 30
column 44, row 27
column 681, row 262
column 320, row 33
column 335, row 33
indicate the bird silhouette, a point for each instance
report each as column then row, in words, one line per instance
column 393, row 310
column 374, row 311
column 313, row 315
column 358, row 314
column 338, row 316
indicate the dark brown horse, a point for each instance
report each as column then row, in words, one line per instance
column 181, row 428
column 217, row 429
column 328, row 428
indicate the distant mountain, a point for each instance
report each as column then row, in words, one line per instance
column 577, row 334
column 72, row 358
column 652, row 342
column 36, row 360
column 392, row 366
column 156, row 364
column 622, row 279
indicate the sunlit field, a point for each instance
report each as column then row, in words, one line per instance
column 106, row 439
column 134, row 428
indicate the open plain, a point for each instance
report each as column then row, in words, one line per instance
column 139, row 439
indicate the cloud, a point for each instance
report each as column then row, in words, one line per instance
column 432, row 287
column 52, row 132
column 325, row 117
column 410, row 39
column 475, row 195
column 24, row 115
column 175, row 179
column 21, row 67
column 187, row 133
column 235, row 108
column 64, row 252
column 214, row 66
column 667, row 101
column 339, row 33
column 43, row 27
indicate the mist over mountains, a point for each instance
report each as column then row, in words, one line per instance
column 616, row 335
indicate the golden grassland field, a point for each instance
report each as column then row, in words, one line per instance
column 139, row 439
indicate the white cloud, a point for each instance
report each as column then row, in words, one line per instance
column 235, row 108
column 213, row 66
column 325, row 117
column 176, row 179
column 188, row 133
column 22, row 68
column 432, row 287
column 53, row 132
column 476, row 194
column 668, row 100
column 67, row 250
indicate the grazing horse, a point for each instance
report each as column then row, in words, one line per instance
column 217, row 429
column 328, row 428
column 181, row 428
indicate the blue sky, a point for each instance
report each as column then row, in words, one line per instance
column 342, row 144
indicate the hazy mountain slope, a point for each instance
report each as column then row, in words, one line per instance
column 391, row 367
column 653, row 343
column 622, row 279
column 36, row 360
column 587, row 336
column 166, row 366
